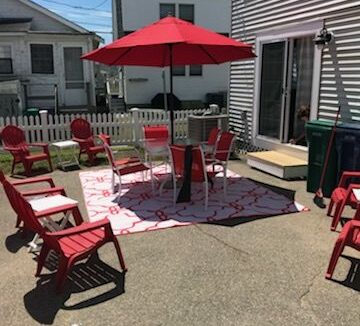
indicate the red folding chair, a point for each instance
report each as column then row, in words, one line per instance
column 83, row 135
column 198, row 169
column 14, row 141
column 349, row 236
column 221, row 155
column 156, row 142
column 343, row 196
column 72, row 244
column 122, row 166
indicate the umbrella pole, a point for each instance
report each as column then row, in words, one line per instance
column 171, row 106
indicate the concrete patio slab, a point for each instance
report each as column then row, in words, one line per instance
column 264, row 272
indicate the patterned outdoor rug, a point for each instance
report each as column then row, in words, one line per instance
column 137, row 210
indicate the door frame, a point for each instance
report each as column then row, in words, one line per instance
column 292, row 31
column 62, row 82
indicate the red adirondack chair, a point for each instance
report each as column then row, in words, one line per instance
column 51, row 190
column 14, row 141
column 349, row 236
column 343, row 195
column 122, row 166
column 83, row 135
column 72, row 244
column 221, row 155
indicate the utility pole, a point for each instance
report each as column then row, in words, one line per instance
column 118, row 32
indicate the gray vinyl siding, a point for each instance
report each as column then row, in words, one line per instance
column 340, row 71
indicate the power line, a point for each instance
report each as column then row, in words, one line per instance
column 76, row 7
column 90, row 23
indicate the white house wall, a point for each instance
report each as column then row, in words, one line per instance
column 142, row 83
column 340, row 72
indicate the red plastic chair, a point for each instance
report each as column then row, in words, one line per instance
column 222, row 154
column 342, row 196
column 198, row 169
column 83, row 135
column 349, row 236
column 51, row 190
column 123, row 166
column 348, row 199
column 72, row 244
column 14, row 141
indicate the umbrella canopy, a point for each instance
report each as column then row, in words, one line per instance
column 171, row 41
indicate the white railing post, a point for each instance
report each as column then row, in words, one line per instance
column 44, row 125
column 136, row 124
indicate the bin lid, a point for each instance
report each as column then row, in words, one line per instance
column 349, row 125
column 320, row 124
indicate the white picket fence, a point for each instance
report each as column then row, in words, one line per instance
column 124, row 128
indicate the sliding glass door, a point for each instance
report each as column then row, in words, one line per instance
column 285, row 87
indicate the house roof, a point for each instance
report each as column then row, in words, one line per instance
column 57, row 17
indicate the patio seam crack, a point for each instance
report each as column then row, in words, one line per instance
column 304, row 305
column 221, row 241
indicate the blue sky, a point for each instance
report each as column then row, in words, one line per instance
column 98, row 19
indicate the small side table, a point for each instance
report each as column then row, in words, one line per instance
column 71, row 164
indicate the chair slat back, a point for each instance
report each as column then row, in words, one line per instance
column 26, row 212
column 109, row 153
column 81, row 128
column 13, row 136
column 224, row 145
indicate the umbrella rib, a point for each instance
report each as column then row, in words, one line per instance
column 209, row 55
column 118, row 58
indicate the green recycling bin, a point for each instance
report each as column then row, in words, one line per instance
column 31, row 112
column 318, row 133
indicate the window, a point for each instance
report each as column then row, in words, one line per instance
column 179, row 71
column 195, row 70
column 42, row 61
column 166, row 9
column 5, row 60
column 186, row 12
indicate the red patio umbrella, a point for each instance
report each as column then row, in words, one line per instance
column 168, row 42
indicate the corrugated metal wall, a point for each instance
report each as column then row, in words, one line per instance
column 340, row 76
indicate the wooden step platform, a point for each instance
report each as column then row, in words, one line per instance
column 279, row 164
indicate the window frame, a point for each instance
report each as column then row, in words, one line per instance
column 177, row 74
column 31, row 58
column 167, row 4
column 6, row 58
column 187, row 5
column 196, row 74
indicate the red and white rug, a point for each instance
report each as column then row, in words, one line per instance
column 138, row 210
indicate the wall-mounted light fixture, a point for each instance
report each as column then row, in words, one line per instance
column 323, row 38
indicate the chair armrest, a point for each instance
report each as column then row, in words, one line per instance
column 82, row 141
column 56, row 210
column 49, row 180
column 43, row 145
column 13, row 149
column 346, row 175
column 85, row 227
column 106, row 138
column 54, row 190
